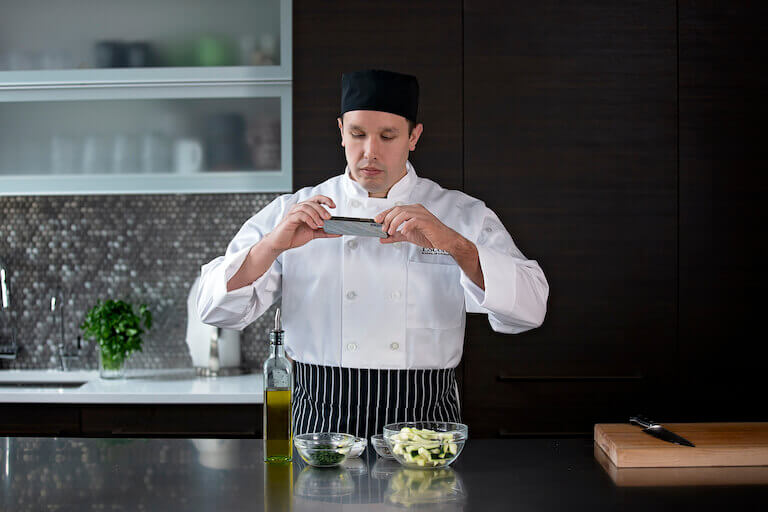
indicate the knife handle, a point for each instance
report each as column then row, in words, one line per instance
column 642, row 421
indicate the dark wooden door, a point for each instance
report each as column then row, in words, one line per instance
column 570, row 115
column 723, row 274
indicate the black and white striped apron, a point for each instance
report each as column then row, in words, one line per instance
column 361, row 401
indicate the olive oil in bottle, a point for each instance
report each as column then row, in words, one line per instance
column 278, row 390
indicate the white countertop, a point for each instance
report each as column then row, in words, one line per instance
column 171, row 386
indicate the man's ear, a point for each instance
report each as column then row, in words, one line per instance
column 341, row 130
column 414, row 137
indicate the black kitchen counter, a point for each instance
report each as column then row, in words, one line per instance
column 229, row 475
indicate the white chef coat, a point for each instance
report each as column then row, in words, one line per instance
column 356, row 303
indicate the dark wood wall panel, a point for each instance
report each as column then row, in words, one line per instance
column 110, row 420
column 422, row 38
column 723, row 274
column 570, row 136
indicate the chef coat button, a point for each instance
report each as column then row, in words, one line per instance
column 488, row 229
column 394, row 346
column 351, row 295
column 352, row 244
column 395, row 295
column 351, row 347
column 354, row 203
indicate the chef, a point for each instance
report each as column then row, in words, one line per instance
column 375, row 325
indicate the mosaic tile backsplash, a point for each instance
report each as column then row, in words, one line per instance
column 143, row 249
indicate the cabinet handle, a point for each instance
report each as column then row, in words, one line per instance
column 569, row 378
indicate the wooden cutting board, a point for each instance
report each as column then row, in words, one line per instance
column 680, row 477
column 717, row 444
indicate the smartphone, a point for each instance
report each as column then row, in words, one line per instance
column 353, row 226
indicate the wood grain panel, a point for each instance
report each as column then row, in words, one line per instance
column 240, row 420
column 422, row 38
column 32, row 419
column 570, row 136
column 723, row 275
column 717, row 444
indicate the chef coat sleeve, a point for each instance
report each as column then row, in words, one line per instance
column 516, row 290
column 238, row 308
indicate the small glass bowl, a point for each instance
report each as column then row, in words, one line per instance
column 324, row 449
column 417, row 453
column 381, row 448
column 358, row 448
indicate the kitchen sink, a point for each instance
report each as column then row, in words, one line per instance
column 45, row 379
column 47, row 384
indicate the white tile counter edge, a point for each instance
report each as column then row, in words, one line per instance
column 171, row 386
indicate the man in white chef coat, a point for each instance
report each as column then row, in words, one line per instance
column 375, row 325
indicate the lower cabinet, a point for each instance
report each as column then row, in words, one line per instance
column 176, row 420
column 531, row 385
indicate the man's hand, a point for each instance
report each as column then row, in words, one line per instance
column 421, row 228
column 303, row 223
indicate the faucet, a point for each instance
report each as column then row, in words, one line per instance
column 66, row 355
column 7, row 350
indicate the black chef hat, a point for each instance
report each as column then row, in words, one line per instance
column 384, row 91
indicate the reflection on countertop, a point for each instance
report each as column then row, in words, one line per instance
column 229, row 475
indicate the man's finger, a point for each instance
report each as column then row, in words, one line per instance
column 381, row 215
column 306, row 208
column 306, row 218
column 319, row 233
column 318, row 210
column 396, row 221
column 397, row 237
column 323, row 200
column 394, row 212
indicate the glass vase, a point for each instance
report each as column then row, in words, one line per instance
column 110, row 368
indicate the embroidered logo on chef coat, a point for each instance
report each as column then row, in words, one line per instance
column 433, row 252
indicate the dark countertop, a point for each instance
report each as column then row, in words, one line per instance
column 228, row 474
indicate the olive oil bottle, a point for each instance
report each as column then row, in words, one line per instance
column 278, row 391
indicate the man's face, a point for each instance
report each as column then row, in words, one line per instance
column 376, row 145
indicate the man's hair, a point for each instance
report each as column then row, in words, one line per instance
column 411, row 124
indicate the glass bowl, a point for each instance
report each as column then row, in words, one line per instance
column 324, row 449
column 425, row 444
column 380, row 446
column 358, row 448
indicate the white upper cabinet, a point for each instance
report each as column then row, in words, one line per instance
column 161, row 96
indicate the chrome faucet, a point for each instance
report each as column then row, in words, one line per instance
column 66, row 355
column 7, row 350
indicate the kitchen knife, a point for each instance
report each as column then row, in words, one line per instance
column 656, row 430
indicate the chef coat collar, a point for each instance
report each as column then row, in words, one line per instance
column 400, row 191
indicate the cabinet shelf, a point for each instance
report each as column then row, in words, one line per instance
column 167, row 183
column 15, row 81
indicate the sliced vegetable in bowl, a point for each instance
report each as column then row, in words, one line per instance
column 425, row 444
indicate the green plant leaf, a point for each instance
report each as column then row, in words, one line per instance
column 116, row 328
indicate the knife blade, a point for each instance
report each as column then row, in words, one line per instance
column 659, row 432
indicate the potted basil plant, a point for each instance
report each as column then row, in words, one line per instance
column 117, row 329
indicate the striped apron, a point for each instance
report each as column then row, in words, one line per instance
column 361, row 401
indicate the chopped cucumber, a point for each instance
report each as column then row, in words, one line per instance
column 424, row 447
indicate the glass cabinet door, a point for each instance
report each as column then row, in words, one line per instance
column 145, row 96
